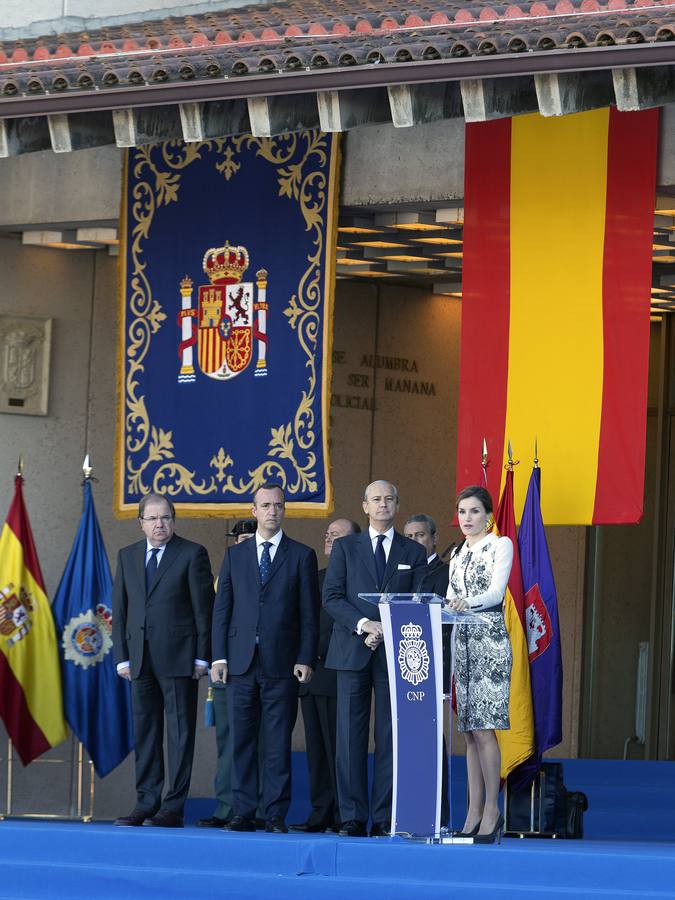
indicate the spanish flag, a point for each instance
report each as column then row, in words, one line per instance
column 31, row 704
column 517, row 744
column 558, row 222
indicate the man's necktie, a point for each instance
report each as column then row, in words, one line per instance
column 265, row 562
column 151, row 568
column 380, row 560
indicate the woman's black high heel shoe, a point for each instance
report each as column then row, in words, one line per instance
column 494, row 836
column 472, row 833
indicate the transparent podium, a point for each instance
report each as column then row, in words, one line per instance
column 411, row 624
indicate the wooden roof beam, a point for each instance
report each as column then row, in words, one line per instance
column 485, row 99
column 416, row 104
column 276, row 115
column 343, row 110
column 563, row 93
column 644, row 88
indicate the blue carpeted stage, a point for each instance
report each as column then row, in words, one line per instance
column 628, row 851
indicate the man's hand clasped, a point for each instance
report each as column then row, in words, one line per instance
column 219, row 673
column 374, row 634
column 303, row 673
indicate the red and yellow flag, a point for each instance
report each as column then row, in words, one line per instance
column 516, row 744
column 558, row 221
column 31, row 704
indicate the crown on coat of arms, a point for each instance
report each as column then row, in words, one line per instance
column 225, row 265
column 411, row 631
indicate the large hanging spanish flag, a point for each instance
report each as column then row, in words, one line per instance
column 517, row 744
column 31, row 704
column 558, row 223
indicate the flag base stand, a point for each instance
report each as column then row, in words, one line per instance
column 537, row 811
column 80, row 793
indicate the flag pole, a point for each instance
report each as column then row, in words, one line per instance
column 87, row 470
column 8, row 798
column 10, row 753
column 536, row 454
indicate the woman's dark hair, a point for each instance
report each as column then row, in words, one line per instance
column 480, row 493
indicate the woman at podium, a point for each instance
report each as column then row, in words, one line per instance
column 479, row 573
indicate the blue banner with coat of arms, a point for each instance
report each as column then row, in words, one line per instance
column 226, row 322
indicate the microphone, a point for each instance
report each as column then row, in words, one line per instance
column 447, row 550
column 415, row 569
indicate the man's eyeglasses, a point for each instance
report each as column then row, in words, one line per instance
column 163, row 519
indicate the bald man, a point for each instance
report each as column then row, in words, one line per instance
column 379, row 559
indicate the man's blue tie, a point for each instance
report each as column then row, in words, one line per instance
column 380, row 560
column 151, row 568
column 265, row 562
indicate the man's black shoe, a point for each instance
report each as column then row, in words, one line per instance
column 276, row 825
column 353, row 828
column 380, row 831
column 259, row 824
column 135, row 818
column 309, row 827
column 241, row 823
column 212, row 822
column 166, row 818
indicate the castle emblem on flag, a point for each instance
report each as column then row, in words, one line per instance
column 15, row 609
column 538, row 623
column 229, row 321
column 413, row 658
column 88, row 637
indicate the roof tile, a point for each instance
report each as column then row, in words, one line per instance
column 317, row 33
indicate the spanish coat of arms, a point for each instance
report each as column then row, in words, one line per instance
column 229, row 320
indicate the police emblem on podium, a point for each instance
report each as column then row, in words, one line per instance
column 228, row 321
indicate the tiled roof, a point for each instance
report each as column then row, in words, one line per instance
column 292, row 36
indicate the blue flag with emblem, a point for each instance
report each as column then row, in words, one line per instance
column 97, row 702
column 227, row 275
column 543, row 627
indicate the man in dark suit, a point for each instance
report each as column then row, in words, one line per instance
column 422, row 528
column 162, row 603
column 243, row 530
column 318, row 701
column 379, row 559
column 264, row 637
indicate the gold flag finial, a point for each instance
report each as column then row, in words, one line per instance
column 484, row 451
column 87, row 468
column 511, row 461
column 536, row 454
column 19, row 468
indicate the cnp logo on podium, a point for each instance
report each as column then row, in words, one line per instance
column 413, row 657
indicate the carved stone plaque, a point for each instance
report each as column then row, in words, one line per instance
column 25, row 343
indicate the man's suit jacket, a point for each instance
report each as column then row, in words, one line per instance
column 436, row 582
column 175, row 615
column 351, row 571
column 283, row 613
column 324, row 681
